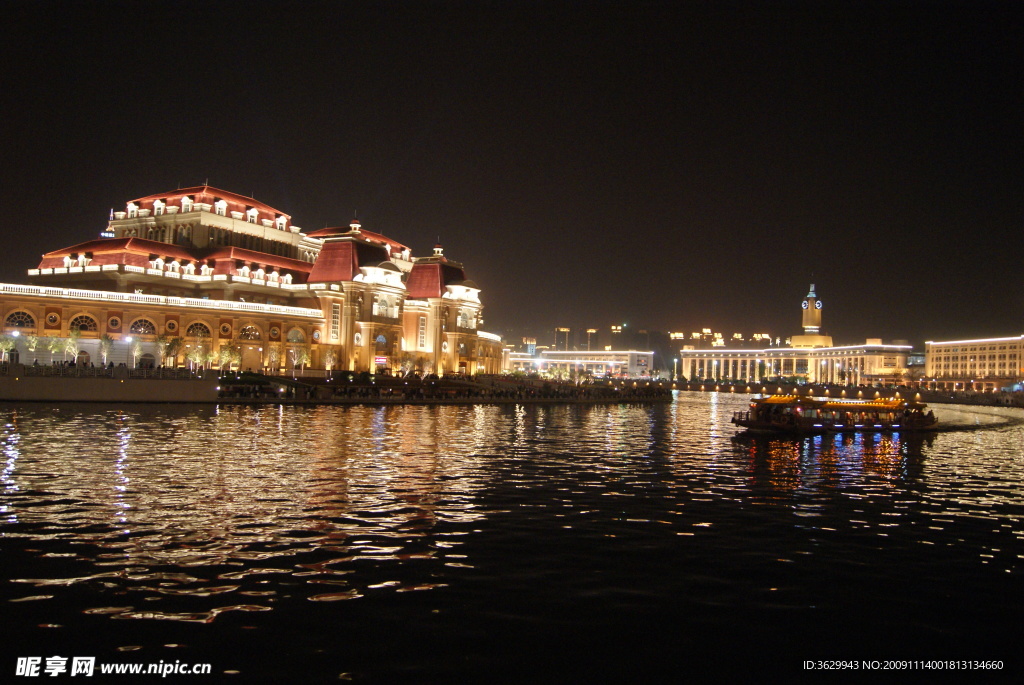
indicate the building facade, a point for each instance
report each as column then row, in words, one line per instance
column 205, row 277
column 811, row 358
column 984, row 364
column 579, row 363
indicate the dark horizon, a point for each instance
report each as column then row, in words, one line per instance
column 671, row 165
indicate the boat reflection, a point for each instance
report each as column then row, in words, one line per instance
column 793, row 463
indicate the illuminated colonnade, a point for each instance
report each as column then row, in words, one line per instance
column 852, row 365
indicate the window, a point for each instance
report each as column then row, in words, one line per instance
column 198, row 330
column 250, row 333
column 142, row 327
column 186, row 204
column 20, row 320
column 335, row 321
column 83, row 323
column 220, row 207
column 422, row 338
column 296, row 336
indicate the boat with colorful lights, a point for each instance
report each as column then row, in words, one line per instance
column 814, row 416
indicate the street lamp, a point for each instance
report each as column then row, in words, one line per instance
column 675, row 368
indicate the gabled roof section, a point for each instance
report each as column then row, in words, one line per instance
column 227, row 253
column 208, row 195
column 429, row 277
column 336, row 231
column 339, row 260
column 138, row 246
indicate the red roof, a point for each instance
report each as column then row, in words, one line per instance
column 137, row 251
column 363, row 233
column 429, row 278
column 209, row 195
column 130, row 245
column 339, row 260
column 260, row 257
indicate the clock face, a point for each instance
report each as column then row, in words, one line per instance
column 817, row 305
column 804, row 304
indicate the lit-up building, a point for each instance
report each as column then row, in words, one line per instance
column 562, row 338
column 596, row 363
column 981, row 364
column 202, row 276
column 811, row 358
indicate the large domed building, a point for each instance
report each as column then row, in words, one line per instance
column 206, row 276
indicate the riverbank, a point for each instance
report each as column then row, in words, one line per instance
column 58, row 383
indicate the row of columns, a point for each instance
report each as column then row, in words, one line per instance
column 828, row 370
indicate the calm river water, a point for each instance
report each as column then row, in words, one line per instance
column 503, row 543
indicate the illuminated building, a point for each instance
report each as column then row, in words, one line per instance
column 201, row 276
column 981, row 364
column 811, row 357
column 598, row 363
column 562, row 339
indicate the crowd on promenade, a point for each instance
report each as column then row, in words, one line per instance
column 439, row 391
column 72, row 369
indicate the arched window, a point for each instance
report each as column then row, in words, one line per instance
column 83, row 322
column 381, row 344
column 249, row 333
column 198, row 330
column 296, row 336
column 20, row 320
column 380, row 307
column 142, row 327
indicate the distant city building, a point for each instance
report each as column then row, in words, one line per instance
column 562, row 339
column 597, row 363
column 980, row 364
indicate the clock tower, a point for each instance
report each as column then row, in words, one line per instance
column 812, row 313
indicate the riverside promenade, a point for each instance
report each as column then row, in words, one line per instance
column 481, row 389
column 70, row 383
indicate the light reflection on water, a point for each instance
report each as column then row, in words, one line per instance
column 592, row 520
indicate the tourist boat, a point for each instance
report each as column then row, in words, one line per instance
column 811, row 416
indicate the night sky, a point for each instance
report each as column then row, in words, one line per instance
column 670, row 165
